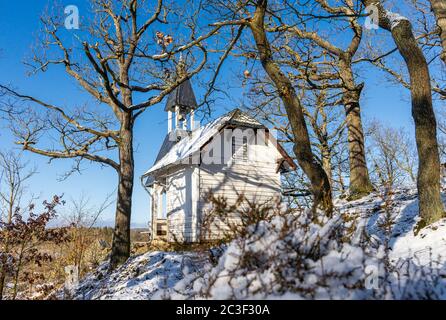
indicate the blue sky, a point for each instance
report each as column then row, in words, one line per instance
column 19, row 21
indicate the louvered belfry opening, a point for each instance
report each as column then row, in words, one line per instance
column 181, row 104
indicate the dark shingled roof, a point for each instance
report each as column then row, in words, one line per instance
column 165, row 148
column 239, row 118
column 169, row 141
column 182, row 96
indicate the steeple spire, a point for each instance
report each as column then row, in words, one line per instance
column 181, row 101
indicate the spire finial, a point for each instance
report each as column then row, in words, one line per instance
column 181, row 67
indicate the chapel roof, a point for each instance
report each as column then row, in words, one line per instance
column 174, row 150
column 181, row 96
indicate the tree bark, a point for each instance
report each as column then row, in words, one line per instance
column 320, row 184
column 121, row 236
column 439, row 8
column 360, row 184
column 17, row 272
column 326, row 162
column 428, row 181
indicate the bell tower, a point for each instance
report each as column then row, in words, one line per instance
column 181, row 104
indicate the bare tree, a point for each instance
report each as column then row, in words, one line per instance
column 428, row 180
column 426, row 32
column 238, row 14
column 82, row 218
column 393, row 156
column 126, row 64
column 14, row 174
column 325, row 123
column 301, row 54
column 320, row 183
column 326, row 128
column 334, row 70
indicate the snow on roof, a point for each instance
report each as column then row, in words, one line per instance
column 190, row 144
column 172, row 153
column 176, row 151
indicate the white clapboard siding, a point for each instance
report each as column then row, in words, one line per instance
column 182, row 187
column 258, row 181
column 252, row 171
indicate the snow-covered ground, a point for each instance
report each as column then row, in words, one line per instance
column 152, row 275
column 291, row 258
column 403, row 206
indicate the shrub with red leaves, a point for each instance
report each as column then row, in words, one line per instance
column 21, row 243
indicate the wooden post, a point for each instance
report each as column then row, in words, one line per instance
column 177, row 114
column 192, row 123
column 169, row 121
column 184, row 123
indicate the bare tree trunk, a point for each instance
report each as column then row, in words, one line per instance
column 439, row 8
column 121, row 236
column 360, row 184
column 341, row 179
column 326, row 162
column 110, row 53
column 320, row 184
column 428, row 180
column 17, row 272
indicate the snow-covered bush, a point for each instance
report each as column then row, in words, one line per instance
column 292, row 256
column 289, row 255
column 367, row 250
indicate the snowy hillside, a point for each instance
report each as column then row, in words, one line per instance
column 403, row 207
column 295, row 258
column 149, row 276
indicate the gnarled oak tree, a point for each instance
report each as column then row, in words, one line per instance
column 125, row 62
column 428, row 179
